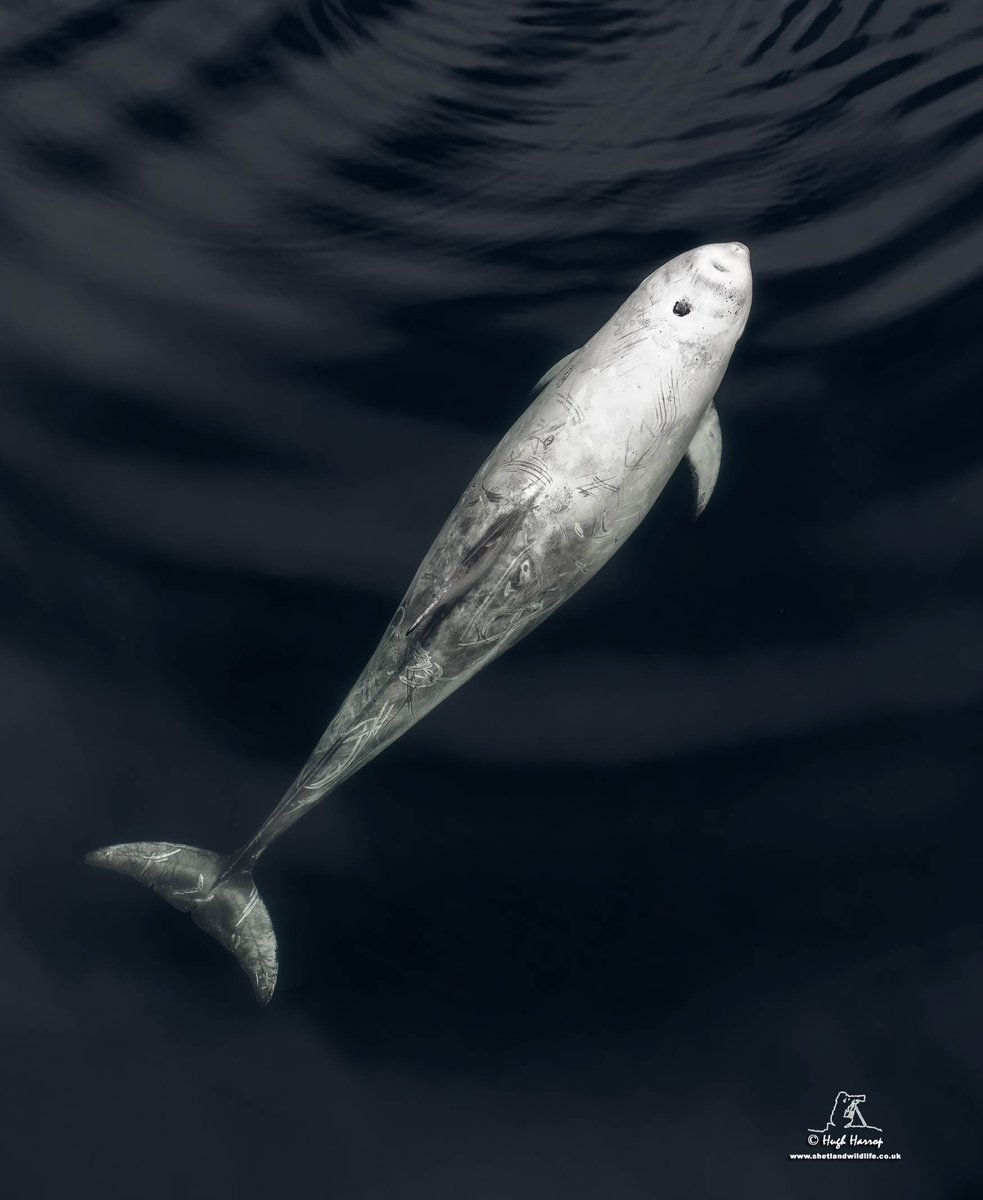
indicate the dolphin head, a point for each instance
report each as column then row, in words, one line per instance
column 702, row 298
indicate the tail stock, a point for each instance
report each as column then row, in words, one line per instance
column 229, row 908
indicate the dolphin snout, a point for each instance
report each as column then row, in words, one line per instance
column 728, row 257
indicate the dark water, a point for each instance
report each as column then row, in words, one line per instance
column 622, row 917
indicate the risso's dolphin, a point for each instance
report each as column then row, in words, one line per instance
column 558, row 495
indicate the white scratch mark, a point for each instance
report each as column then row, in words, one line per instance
column 250, row 905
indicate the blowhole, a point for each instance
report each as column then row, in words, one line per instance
column 718, row 266
column 682, row 307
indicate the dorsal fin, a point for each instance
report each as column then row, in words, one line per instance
column 552, row 373
column 704, row 457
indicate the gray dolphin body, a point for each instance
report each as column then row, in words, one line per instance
column 558, row 495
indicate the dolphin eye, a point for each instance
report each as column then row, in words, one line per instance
column 681, row 308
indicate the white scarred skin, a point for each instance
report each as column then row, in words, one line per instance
column 558, row 495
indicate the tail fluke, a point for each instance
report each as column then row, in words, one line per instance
column 229, row 909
